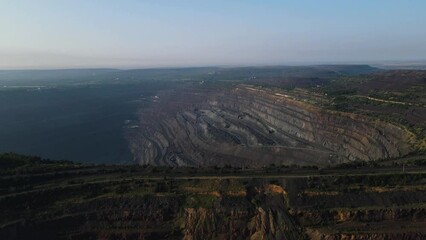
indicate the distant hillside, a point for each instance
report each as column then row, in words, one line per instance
column 73, row 76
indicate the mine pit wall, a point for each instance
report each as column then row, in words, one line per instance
column 351, row 136
column 260, row 213
column 252, row 208
column 318, row 217
column 247, row 126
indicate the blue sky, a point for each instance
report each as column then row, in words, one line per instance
column 159, row 33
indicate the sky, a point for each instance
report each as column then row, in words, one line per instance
column 176, row 33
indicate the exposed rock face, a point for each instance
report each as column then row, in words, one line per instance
column 251, row 126
column 260, row 214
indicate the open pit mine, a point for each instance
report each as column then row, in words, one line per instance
column 253, row 126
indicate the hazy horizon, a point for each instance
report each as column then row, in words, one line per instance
column 129, row 34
